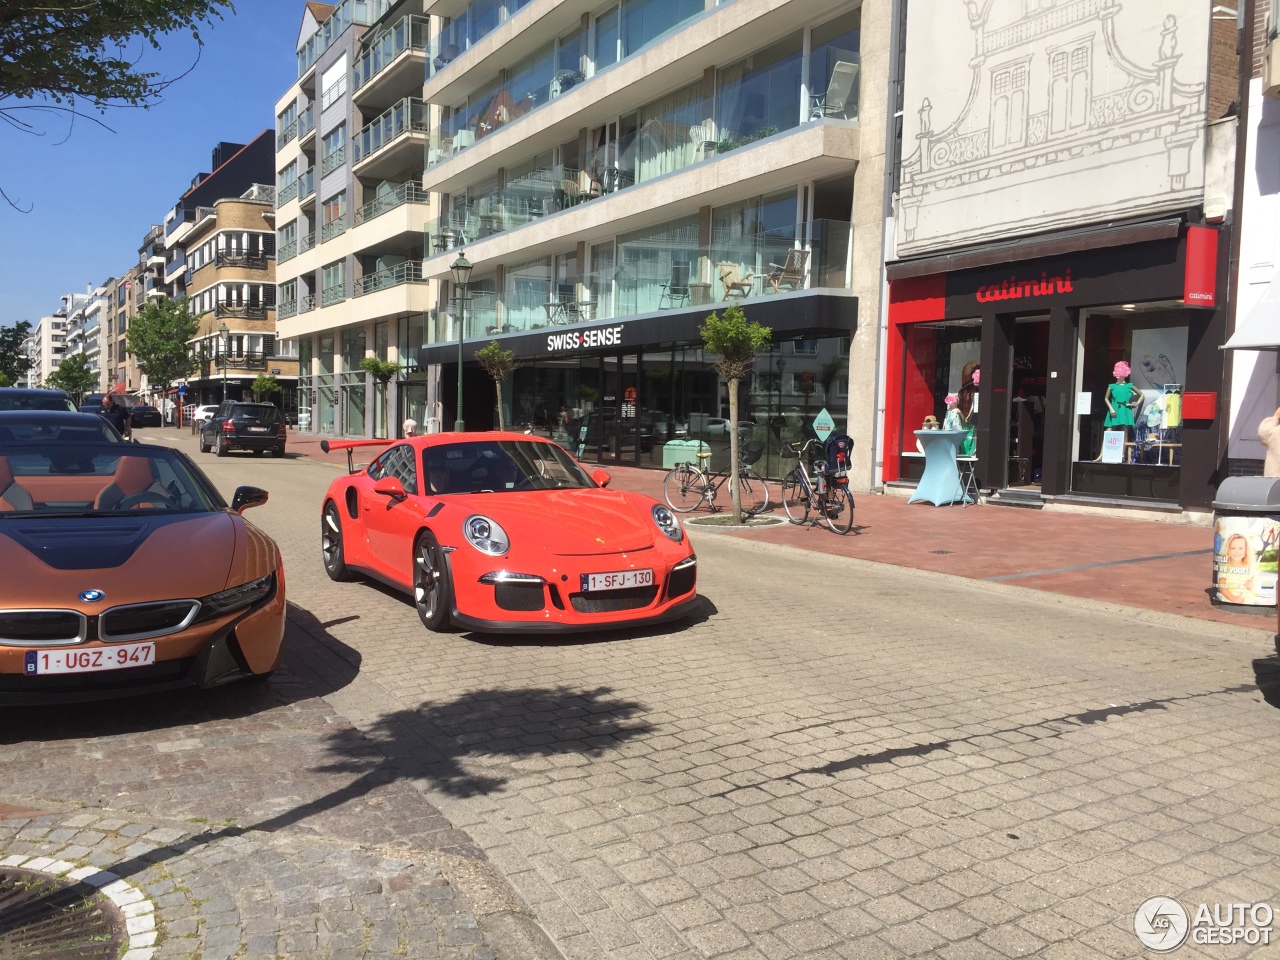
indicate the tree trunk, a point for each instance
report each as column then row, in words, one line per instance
column 735, row 491
column 497, row 386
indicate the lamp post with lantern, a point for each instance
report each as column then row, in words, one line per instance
column 461, row 269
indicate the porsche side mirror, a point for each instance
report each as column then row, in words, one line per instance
column 246, row 497
column 390, row 487
column 601, row 476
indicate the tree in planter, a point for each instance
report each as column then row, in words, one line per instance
column 158, row 337
column 74, row 376
column 499, row 364
column 264, row 385
column 382, row 371
column 736, row 341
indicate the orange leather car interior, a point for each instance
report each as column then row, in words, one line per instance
column 12, row 496
column 133, row 475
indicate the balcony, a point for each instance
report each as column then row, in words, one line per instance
column 408, row 272
column 247, row 261
column 287, row 251
column 306, row 125
column 393, row 142
column 405, row 193
column 468, row 27
column 331, row 295
column 286, row 136
column 306, row 242
column 241, row 311
column 286, row 309
column 288, row 193
column 307, row 185
column 333, row 161
column 176, row 266
column 333, row 228
column 395, row 60
column 235, row 361
column 362, row 12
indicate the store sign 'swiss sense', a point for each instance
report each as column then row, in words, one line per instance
column 585, row 339
column 1015, row 289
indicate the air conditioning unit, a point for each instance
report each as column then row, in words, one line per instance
column 1271, row 70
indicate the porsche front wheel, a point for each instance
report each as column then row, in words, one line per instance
column 331, row 552
column 430, row 583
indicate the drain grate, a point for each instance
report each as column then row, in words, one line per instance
column 49, row 918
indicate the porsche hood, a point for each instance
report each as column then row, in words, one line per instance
column 570, row 523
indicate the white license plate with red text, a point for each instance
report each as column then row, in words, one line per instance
column 89, row 660
column 622, row 580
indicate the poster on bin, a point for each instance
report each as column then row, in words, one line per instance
column 1245, row 560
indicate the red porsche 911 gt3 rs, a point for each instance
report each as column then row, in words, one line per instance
column 503, row 532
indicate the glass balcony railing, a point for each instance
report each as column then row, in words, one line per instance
column 468, row 28
column 408, row 272
column 306, row 242
column 407, row 116
column 333, row 161
column 361, row 12
column 287, row 134
column 287, row 193
column 287, row 251
column 307, row 184
column 405, row 193
column 331, row 295
column 286, row 309
column 307, row 122
column 333, row 228
column 408, row 33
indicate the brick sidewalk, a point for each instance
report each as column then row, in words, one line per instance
column 1139, row 563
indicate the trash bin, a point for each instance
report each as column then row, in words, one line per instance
column 1246, row 535
column 676, row 452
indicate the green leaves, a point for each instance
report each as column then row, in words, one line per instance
column 74, row 376
column 736, row 341
column 14, row 363
column 158, row 337
column 384, row 371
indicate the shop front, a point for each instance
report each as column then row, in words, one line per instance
column 643, row 392
column 1097, row 364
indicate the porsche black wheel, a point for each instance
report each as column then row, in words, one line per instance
column 331, row 552
column 430, row 583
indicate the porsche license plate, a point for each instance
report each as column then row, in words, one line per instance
column 90, row 660
column 621, row 580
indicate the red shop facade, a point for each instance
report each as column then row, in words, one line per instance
column 1045, row 324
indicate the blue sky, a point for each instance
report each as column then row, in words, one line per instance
column 94, row 197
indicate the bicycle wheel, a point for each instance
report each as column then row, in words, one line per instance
column 795, row 499
column 755, row 492
column 838, row 509
column 684, row 489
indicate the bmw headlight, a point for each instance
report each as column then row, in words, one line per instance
column 236, row 598
column 486, row 536
column 667, row 522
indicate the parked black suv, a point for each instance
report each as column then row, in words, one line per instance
column 243, row 426
column 22, row 398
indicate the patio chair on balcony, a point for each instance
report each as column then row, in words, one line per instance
column 840, row 98
column 447, row 56
column 676, row 290
column 790, row 274
column 734, row 283
column 461, row 140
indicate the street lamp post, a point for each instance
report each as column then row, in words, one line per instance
column 461, row 276
column 225, row 334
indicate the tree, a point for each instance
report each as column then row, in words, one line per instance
column 74, row 376
column 383, row 371
column 499, row 364
column 158, row 337
column 14, row 362
column 63, row 53
column 736, row 341
column 264, row 385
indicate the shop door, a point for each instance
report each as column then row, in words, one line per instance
column 1028, row 383
column 619, row 423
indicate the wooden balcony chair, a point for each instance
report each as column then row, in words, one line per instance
column 734, row 283
column 790, row 274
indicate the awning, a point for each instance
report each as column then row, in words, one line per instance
column 119, row 388
column 1259, row 329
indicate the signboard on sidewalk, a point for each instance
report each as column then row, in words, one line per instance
column 823, row 425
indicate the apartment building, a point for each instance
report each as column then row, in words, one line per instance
column 351, row 213
column 85, row 321
column 615, row 173
column 49, row 345
column 1062, row 226
column 230, row 280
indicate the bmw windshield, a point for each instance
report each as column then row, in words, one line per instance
column 499, row 466
column 99, row 480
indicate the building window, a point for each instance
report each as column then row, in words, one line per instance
column 759, row 95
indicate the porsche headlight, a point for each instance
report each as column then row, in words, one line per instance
column 667, row 522
column 486, row 536
column 236, row 598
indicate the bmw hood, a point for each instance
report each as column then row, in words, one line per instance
column 50, row 562
column 571, row 523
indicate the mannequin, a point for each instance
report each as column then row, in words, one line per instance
column 967, row 403
column 1122, row 398
column 953, row 420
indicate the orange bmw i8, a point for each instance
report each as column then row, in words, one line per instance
column 126, row 572
column 505, row 532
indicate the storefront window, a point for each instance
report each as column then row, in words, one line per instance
column 304, row 383
column 939, row 356
column 1132, row 371
column 352, row 383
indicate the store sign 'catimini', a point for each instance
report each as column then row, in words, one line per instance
column 1014, row 289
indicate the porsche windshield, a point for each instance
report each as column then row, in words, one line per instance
column 497, row 466
column 99, row 479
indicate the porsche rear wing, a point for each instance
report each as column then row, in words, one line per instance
column 349, row 445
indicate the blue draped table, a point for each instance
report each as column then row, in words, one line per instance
column 940, row 483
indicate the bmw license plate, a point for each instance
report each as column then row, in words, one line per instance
column 621, row 580
column 89, row 660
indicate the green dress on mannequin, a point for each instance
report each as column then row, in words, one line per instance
column 1122, row 398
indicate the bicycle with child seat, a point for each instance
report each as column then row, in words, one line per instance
column 825, row 492
column 690, row 484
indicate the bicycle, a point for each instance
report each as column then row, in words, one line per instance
column 690, row 484
column 826, row 493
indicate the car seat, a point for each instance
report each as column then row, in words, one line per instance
column 12, row 496
column 134, row 475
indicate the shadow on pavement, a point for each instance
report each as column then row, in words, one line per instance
column 314, row 663
column 1266, row 673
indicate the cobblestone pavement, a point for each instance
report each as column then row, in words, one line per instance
column 836, row 759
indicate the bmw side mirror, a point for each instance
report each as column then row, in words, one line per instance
column 246, row 497
column 601, row 477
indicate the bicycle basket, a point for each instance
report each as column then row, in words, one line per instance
column 751, row 452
